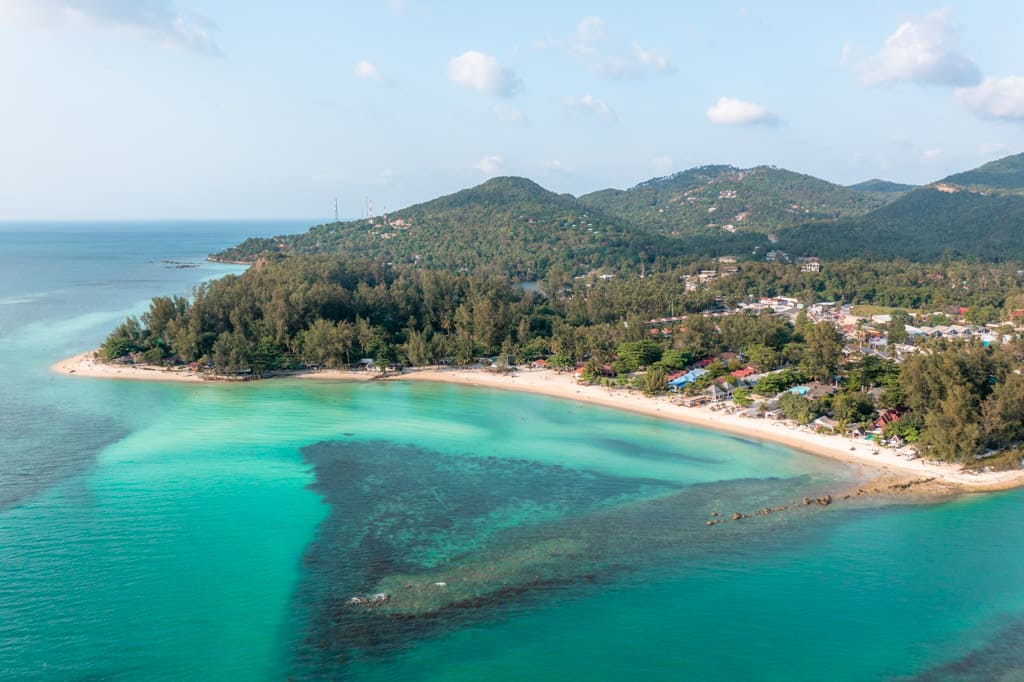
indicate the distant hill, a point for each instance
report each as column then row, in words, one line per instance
column 882, row 186
column 1006, row 174
column 508, row 223
column 977, row 213
column 728, row 199
column 516, row 227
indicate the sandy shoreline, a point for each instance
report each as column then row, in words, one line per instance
column 887, row 465
column 86, row 365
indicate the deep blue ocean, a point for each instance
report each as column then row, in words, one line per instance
column 151, row 531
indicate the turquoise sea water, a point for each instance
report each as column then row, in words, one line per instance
column 155, row 531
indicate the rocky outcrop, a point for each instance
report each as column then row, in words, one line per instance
column 371, row 601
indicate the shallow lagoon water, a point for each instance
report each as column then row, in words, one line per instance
column 155, row 531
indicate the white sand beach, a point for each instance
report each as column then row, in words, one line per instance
column 884, row 463
column 88, row 365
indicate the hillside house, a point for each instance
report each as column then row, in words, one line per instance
column 809, row 264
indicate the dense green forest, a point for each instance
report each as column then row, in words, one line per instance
column 281, row 298
column 964, row 399
column 976, row 214
column 1006, row 174
column 925, row 225
column 277, row 301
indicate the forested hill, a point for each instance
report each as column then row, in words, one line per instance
column 717, row 199
column 517, row 228
column 508, row 223
column 975, row 214
column 876, row 185
column 1001, row 175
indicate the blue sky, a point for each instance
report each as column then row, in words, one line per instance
column 227, row 108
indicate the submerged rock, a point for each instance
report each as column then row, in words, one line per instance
column 378, row 599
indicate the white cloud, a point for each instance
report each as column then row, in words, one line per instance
column 366, row 70
column 507, row 114
column 931, row 154
column 923, row 52
column 997, row 98
column 589, row 104
column 482, row 73
column 552, row 165
column 590, row 29
column 730, row 111
column 590, row 45
column 624, row 67
column 156, row 20
column 654, row 60
column 490, row 165
column 662, row 164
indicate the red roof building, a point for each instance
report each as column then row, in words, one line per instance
column 889, row 416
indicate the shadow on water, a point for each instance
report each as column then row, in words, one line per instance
column 457, row 541
column 42, row 448
column 649, row 451
column 1001, row 659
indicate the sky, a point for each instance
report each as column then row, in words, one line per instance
column 171, row 109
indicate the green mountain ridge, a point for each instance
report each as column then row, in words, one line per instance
column 514, row 226
column 1005, row 174
column 884, row 186
column 509, row 223
column 975, row 214
column 763, row 199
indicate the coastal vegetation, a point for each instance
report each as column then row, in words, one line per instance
column 620, row 288
column 959, row 399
